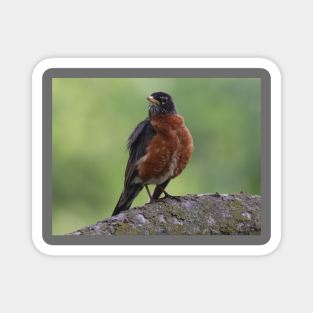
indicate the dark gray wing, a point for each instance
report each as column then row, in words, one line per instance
column 137, row 145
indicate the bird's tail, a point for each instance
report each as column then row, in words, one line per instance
column 127, row 197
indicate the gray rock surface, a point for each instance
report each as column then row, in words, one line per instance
column 206, row 214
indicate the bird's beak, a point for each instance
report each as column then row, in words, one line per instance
column 153, row 101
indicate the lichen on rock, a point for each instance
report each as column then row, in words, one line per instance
column 205, row 214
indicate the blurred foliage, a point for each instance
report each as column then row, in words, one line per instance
column 93, row 117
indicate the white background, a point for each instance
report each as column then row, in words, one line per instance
column 33, row 30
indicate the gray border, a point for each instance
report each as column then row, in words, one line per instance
column 261, row 73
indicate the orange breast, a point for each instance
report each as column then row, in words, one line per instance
column 168, row 152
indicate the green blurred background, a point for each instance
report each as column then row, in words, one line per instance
column 93, row 117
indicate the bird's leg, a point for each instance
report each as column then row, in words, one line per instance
column 148, row 191
column 167, row 195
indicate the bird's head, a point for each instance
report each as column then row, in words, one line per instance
column 161, row 103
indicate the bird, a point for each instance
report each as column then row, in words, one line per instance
column 160, row 148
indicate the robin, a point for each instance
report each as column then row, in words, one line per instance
column 159, row 149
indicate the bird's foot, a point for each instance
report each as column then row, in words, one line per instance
column 152, row 201
column 168, row 196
